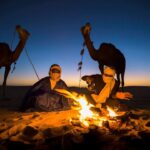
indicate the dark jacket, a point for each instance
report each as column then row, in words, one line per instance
column 97, row 84
column 42, row 98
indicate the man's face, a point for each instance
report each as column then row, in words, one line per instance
column 55, row 74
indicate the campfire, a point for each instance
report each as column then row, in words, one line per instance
column 108, row 119
column 87, row 117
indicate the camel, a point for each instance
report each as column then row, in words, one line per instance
column 107, row 54
column 7, row 56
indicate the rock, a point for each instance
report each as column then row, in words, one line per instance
column 29, row 131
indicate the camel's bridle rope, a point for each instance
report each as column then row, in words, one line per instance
column 14, row 34
column 80, row 64
column 31, row 63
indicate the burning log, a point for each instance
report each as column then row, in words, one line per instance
column 75, row 122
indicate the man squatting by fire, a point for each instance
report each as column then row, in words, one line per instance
column 104, row 90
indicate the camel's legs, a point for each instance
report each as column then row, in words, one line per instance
column 7, row 70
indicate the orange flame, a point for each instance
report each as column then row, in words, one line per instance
column 112, row 113
column 85, row 112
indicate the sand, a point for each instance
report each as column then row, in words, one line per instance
column 32, row 130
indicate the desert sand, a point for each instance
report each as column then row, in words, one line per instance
column 53, row 130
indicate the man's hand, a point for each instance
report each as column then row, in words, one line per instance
column 124, row 95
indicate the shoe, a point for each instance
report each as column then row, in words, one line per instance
column 86, row 29
column 23, row 34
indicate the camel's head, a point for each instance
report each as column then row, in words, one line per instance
column 23, row 34
column 86, row 29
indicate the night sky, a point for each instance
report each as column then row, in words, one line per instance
column 56, row 38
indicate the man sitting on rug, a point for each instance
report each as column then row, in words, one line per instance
column 104, row 90
column 42, row 95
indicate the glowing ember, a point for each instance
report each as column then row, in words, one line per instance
column 112, row 113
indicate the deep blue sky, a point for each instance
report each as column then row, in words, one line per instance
column 55, row 36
